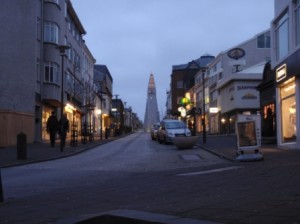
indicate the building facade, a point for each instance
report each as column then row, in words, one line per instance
column 230, row 83
column 104, row 83
column 285, row 32
column 34, row 69
column 182, row 80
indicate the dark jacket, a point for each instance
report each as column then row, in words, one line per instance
column 52, row 123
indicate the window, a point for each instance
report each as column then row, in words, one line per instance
column 179, row 84
column 282, row 36
column 51, row 72
column 220, row 75
column 51, row 32
column 264, row 40
column 297, row 14
column 288, row 112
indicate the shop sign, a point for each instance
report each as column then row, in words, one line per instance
column 213, row 110
column 236, row 53
column 249, row 96
column 281, row 73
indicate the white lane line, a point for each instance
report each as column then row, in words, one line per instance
column 210, row 171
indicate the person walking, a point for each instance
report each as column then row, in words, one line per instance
column 52, row 126
column 63, row 129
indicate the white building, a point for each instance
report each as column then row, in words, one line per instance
column 230, row 83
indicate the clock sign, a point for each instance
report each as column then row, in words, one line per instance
column 236, row 53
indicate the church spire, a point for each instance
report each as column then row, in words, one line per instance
column 151, row 113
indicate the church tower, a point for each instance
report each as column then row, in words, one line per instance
column 151, row 113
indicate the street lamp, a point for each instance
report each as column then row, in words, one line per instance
column 62, row 50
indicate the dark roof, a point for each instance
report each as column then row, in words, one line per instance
column 102, row 69
column 201, row 62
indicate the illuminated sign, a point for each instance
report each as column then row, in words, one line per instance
column 213, row 110
column 281, row 73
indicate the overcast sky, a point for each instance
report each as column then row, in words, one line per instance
column 135, row 38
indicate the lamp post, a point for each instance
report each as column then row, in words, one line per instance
column 62, row 50
column 203, row 115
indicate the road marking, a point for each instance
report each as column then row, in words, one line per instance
column 210, row 171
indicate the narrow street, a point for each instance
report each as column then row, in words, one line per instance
column 109, row 172
column 136, row 173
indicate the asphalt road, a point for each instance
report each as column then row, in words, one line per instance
column 137, row 173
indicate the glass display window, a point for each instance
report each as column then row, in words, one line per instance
column 288, row 112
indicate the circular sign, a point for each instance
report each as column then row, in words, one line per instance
column 236, row 53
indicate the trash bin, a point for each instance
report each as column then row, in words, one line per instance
column 21, row 146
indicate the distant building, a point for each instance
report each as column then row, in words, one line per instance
column 230, row 83
column 182, row 80
column 151, row 113
column 103, row 82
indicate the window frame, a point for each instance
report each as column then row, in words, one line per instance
column 51, row 32
column 51, row 70
column 280, row 24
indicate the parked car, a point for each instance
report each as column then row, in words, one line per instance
column 154, row 130
column 171, row 128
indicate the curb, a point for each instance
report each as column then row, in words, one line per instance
column 217, row 153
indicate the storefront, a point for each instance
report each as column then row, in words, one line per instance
column 287, row 93
column 73, row 115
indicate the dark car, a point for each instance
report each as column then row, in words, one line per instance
column 154, row 130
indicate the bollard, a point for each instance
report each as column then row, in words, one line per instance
column 1, row 189
column 21, row 146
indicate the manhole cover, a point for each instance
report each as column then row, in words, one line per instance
column 192, row 157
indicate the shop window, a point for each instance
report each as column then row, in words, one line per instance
column 268, row 125
column 288, row 113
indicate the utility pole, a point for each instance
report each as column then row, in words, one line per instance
column 62, row 50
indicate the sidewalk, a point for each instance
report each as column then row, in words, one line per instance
column 38, row 152
column 225, row 146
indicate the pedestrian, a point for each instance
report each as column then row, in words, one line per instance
column 52, row 127
column 63, row 129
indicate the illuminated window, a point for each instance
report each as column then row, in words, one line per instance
column 288, row 112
